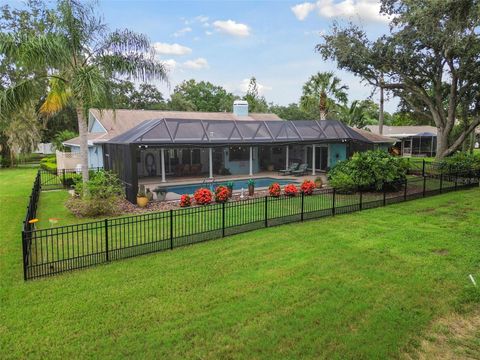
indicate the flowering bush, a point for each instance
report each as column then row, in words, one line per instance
column 221, row 194
column 290, row 190
column 307, row 187
column 203, row 196
column 274, row 190
column 185, row 200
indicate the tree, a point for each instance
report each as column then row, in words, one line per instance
column 429, row 59
column 354, row 115
column 200, row 96
column 60, row 137
column 82, row 58
column 147, row 97
column 291, row 112
column 322, row 91
column 256, row 103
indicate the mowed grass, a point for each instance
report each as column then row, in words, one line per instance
column 359, row 286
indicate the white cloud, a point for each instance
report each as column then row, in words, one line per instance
column 368, row 10
column 171, row 49
column 301, row 11
column 232, row 28
column 208, row 33
column 170, row 64
column 243, row 87
column 202, row 18
column 199, row 63
column 182, row 32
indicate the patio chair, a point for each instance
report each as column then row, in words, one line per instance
column 289, row 170
column 302, row 170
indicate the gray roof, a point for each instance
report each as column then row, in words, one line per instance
column 210, row 132
column 403, row 131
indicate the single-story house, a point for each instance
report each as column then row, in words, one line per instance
column 167, row 146
column 412, row 140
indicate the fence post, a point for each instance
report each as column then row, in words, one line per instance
column 303, row 200
column 384, row 194
column 361, row 199
column 424, row 186
column 441, row 182
column 107, row 257
column 333, row 202
column 405, row 190
column 171, row 229
column 266, row 209
column 24, row 254
column 64, row 180
column 223, row 219
column 423, row 168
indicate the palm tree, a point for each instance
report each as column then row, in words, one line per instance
column 323, row 90
column 353, row 115
column 80, row 58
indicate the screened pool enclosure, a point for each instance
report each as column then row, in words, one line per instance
column 165, row 150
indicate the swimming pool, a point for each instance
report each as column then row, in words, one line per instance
column 237, row 185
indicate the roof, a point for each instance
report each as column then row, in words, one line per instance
column 227, row 131
column 375, row 138
column 403, row 131
column 91, row 137
column 122, row 120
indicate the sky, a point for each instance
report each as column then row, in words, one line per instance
column 227, row 42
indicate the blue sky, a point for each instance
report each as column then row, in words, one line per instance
column 227, row 42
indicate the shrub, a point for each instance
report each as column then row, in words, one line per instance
column 203, row 196
column 290, row 190
column 90, row 207
column 368, row 171
column 60, row 137
column 222, row 194
column 307, row 187
column 49, row 163
column 101, row 185
column 460, row 162
column 185, row 200
column 274, row 190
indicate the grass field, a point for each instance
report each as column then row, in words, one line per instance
column 372, row 284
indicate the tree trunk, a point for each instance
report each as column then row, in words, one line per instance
column 380, row 113
column 322, row 106
column 83, row 131
column 442, row 143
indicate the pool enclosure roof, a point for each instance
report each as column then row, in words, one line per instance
column 167, row 131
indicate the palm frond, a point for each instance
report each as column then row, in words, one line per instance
column 58, row 97
column 18, row 95
column 134, row 65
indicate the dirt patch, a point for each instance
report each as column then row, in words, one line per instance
column 456, row 336
column 427, row 210
column 441, row 252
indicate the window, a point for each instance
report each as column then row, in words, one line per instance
column 239, row 153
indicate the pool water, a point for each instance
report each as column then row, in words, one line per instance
column 237, row 185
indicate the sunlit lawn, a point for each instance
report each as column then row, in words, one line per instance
column 360, row 286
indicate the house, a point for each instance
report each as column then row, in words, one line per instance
column 412, row 140
column 154, row 147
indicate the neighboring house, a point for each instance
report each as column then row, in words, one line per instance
column 156, row 146
column 412, row 140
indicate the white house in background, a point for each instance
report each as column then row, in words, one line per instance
column 413, row 140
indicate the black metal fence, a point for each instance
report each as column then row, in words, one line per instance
column 58, row 249
column 61, row 179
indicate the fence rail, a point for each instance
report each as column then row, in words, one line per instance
column 58, row 249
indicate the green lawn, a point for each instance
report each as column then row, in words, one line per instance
column 363, row 285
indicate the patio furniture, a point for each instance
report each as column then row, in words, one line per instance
column 302, row 170
column 161, row 193
column 178, row 170
column 196, row 169
column 291, row 168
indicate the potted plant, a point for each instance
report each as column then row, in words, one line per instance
column 307, row 187
column 318, row 182
column 251, row 186
column 203, row 196
column 149, row 194
column 142, row 199
column 230, row 188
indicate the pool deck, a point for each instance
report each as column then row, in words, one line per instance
column 153, row 182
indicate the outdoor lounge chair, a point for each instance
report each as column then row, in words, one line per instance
column 302, row 170
column 289, row 170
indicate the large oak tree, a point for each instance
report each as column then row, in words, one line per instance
column 430, row 59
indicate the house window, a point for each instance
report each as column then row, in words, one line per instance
column 239, row 153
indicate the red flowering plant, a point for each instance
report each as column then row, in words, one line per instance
column 307, row 187
column 185, row 200
column 221, row 194
column 290, row 190
column 203, row 196
column 274, row 190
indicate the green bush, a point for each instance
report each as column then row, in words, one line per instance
column 49, row 163
column 460, row 162
column 101, row 195
column 368, row 171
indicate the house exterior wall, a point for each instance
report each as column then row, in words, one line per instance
column 95, row 155
column 336, row 153
column 242, row 167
